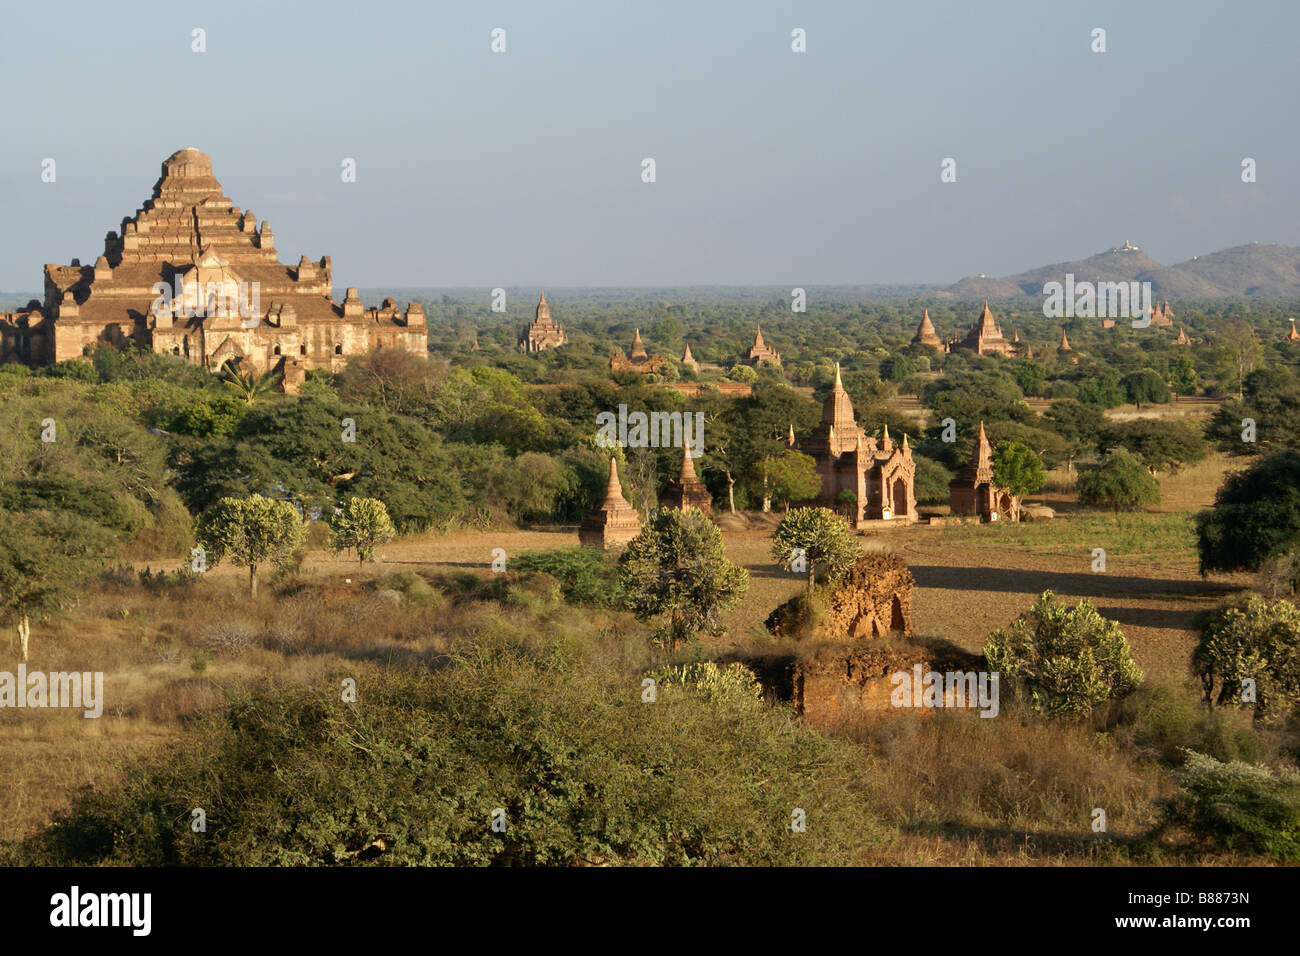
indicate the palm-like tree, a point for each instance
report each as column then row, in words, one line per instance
column 250, row 386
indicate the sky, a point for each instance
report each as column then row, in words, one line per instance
column 524, row 168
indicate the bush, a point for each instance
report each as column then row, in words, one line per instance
column 410, row 585
column 586, row 576
column 1250, row 639
column 1166, row 719
column 1120, row 482
column 729, row 683
column 1241, row 806
column 228, row 634
column 414, row 774
column 1067, row 659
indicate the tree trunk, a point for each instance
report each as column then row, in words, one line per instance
column 812, row 575
column 731, row 491
column 24, row 636
column 252, row 580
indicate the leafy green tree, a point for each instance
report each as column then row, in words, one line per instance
column 208, row 415
column 1102, row 390
column 676, row 570
column 1030, row 377
column 1120, row 482
column 1078, row 424
column 1145, row 386
column 1250, row 639
column 897, row 368
column 1017, row 469
column 815, row 536
column 1237, row 351
column 43, row 555
column 1159, row 445
column 788, row 476
column 1182, row 375
column 931, row 481
column 1066, row 659
column 742, row 373
column 1255, row 518
column 250, row 532
column 1271, row 400
column 362, row 524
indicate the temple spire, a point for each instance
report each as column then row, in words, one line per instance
column 688, row 466
column 614, row 490
column 838, row 383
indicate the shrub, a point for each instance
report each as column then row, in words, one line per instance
column 729, row 683
column 1169, row 719
column 586, row 576
column 1238, row 805
column 1067, row 659
column 410, row 585
column 1250, row 639
column 584, row 773
column 1119, row 482
column 228, row 634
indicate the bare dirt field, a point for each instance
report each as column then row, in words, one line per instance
column 971, row 579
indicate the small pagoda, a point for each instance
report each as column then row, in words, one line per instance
column 926, row 335
column 615, row 522
column 686, row 490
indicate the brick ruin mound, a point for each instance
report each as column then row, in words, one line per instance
column 871, row 599
column 851, row 640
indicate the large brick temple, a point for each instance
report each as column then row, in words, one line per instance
column 193, row 276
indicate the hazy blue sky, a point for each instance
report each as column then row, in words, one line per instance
column 523, row 168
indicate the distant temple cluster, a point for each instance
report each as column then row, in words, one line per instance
column 869, row 480
column 983, row 338
column 191, row 275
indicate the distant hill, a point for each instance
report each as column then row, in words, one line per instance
column 1271, row 271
